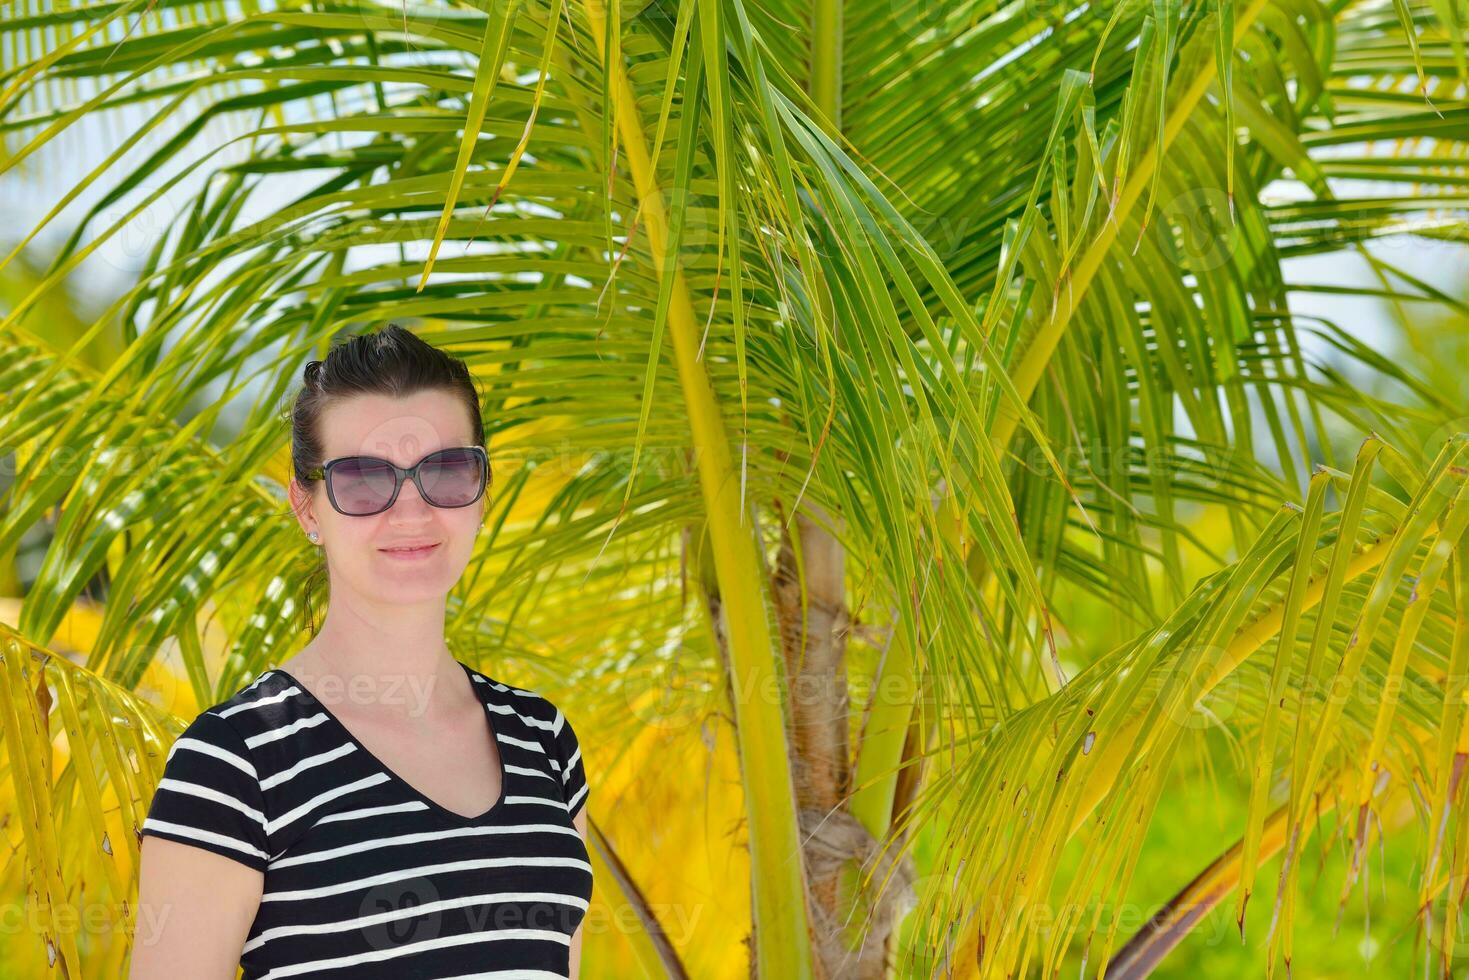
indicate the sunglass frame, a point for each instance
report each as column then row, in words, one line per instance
column 401, row 474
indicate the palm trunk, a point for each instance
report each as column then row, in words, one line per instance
column 814, row 645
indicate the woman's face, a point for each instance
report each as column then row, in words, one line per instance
column 401, row 430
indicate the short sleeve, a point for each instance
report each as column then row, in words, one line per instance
column 568, row 758
column 210, row 794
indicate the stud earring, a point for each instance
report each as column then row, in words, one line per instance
column 312, row 535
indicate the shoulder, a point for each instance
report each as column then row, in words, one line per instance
column 215, row 728
column 540, row 718
column 210, row 793
column 211, row 742
column 253, row 716
column 533, row 708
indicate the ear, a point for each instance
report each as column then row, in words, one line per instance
column 301, row 504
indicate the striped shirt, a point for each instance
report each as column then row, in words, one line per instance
column 365, row 877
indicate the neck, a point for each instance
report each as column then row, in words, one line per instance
column 392, row 660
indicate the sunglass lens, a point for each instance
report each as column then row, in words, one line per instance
column 452, row 477
column 362, row 486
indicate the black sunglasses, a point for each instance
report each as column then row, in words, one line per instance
column 359, row 486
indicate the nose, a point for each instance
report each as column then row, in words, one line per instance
column 410, row 502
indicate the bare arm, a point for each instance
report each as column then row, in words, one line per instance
column 580, row 823
column 195, row 908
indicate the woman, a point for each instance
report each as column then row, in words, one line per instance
column 373, row 807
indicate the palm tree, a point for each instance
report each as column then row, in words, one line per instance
column 975, row 310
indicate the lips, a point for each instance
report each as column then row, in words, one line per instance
column 410, row 550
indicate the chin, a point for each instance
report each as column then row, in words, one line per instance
column 410, row 594
column 414, row 580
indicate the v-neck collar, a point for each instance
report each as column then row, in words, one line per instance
column 484, row 691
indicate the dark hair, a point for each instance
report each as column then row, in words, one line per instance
column 392, row 361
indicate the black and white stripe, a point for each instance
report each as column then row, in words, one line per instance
column 365, row 877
